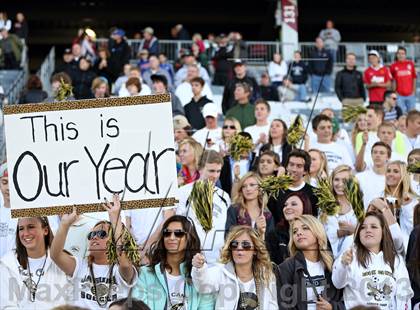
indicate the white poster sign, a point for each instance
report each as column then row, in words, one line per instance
column 81, row 152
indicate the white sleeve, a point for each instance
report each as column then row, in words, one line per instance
column 206, row 280
column 8, row 283
column 331, row 227
column 346, row 157
column 341, row 273
column 397, row 237
column 404, row 293
column 120, row 279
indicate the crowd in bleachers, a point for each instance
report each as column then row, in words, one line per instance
column 344, row 233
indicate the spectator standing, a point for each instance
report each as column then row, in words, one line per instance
column 241, row 76
column 200, row 56
column 82, row 80
column 277, row 70
column 349, row 83
column 160, row 86
column 239, row 47
column 67, row 65
column 101, row 66
column 184, row 90
column 188, row 60
column 149, row 42
column 320, row 67
column 392, row 111
column 165, row 65
column 34, row 92
column 299, row 76
column 222, row 64
column 179, row 32
column 194, row 108
column 20, row 27
column 404, row 80
column 120, row 53
column 209, row 136
column 377, row 79
column 11, row 49
column 5, row 22
column 332, row 38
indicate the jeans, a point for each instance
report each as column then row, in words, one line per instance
column 316, row 81
column 301, row 94
column 406, row 103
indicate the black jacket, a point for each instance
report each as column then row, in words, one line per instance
column 412, row 261
column 320, row 66
column 33, row 96
column 292, row 274
column 193, row 112
column 269, row 93
column 299, row 72
column 285, row 150
column 228, row 100
column 82, row 82
column 277, row 242
column 226, row 173
column 120, row 55
column 349, row 84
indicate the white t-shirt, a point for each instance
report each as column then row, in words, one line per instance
column 85, row 296
column 411, row 143
column 7, row 230
column 255, row 132
column 214, row 134
column 316, row 271
column 336, row 154
column 145, row 90
column 176, row 288
column 248, row 291
column 278, row 149
column 372, row 185
column 185, row 94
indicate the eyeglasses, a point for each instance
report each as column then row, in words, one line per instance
column 179, row 233
column 230, row 127
column 245, row 245
column 101, row 234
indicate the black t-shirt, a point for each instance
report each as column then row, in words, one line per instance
column 276, row 205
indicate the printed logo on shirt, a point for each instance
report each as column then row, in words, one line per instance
column 378, row 288
column 101, row 292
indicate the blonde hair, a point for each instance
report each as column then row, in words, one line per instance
column 404, row 185
column 337, row 170
column 318, row 231
column 196, row 147
column 235, row 123
column 356, row 130
column 324, row 164
column 261, row 265
column 238, row 196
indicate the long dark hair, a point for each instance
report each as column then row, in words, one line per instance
column 22, row 255
column 386, row 246
column 307, row 209
column 158, row 253
column 283, row 139
column 414, row 255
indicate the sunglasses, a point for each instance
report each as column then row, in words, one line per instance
column 179, row 233
column 101, row 234
column 245, row 245
column 230, row 127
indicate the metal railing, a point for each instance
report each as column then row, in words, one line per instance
column 46, row 70
column 261, row 52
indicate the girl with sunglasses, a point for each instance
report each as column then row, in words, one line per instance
column 245, row 277
column 372, row 273
column 166, row 282
column 308, row 270
column 97, row 281
column 249, row 206
column 28, row 272
column 231, row 127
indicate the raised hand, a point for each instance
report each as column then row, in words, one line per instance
column 198, row 260
column 114, row 208
column 261, row 223
column 69, row 219
column 347, row 257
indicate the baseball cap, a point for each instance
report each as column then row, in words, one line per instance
column 186, row 52
column 374, row 52
column 238, row 61
column 118, row 32
column 149, row 30
column 210, row 109
column 67, row 51
column 180, row 122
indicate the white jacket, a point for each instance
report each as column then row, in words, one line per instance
column 215, row 239
column 376, row 285
column 54, row 287
column 277, row 72
column 221, row 279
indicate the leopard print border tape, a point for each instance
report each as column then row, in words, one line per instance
column 95, row 207
column 86, row 104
